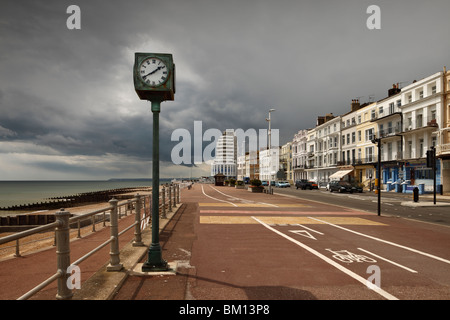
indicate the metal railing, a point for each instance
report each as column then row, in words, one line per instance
column 62, row 242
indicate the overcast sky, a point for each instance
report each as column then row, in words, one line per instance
column 68, row 109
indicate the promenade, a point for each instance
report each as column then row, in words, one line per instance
column 230, row 244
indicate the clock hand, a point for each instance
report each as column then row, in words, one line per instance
column 159, row 68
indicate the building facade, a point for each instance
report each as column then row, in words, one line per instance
column 269, row 163
column 421, row 107
column 443, row 147
column 299, row 155
column 225, row 161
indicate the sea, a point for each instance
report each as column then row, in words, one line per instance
column 25, row 192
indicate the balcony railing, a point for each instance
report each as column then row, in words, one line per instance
column 443, row 149
column 390, row 131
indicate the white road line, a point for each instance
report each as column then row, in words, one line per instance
column 390, row 261
column 217, row 199
column 385, row 241
column 355, row 276
column 300, row 225
column 269, row 204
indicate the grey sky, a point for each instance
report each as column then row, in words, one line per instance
column 68, row 109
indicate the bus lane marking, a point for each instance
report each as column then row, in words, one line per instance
column 350, row 273
column 384, row 241
column 217, row 199
column 387, row 260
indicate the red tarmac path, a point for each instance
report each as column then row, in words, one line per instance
column 233, row 244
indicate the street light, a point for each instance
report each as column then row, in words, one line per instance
column 270, row 153
column 378, row 142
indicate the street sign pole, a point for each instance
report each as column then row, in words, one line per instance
column 434, row 174
column 379, row 176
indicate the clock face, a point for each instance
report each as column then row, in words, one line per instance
column 153, row 72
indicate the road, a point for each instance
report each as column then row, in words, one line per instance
column 391, row 203
column 239, row 245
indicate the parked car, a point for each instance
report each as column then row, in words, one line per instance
column 282, row 184
column 340, row 186
column 314, row 185
column 357, row 187
column 303, row 184
column 265, row 183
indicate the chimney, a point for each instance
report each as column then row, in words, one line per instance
column 395, row 89
column 329, row 116
column 320, row 120
column 355, row 104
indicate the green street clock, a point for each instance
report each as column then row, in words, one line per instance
column 154, row 76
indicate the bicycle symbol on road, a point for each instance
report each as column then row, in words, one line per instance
column 349, row 257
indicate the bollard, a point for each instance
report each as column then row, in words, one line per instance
column 178, row 193
column 170, row 197
column 114, row 263
column 163, row 215
column 62, row 236
column 416, row 194
column 137, row 242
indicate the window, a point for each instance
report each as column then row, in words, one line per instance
column 380, row 110
column 359, row 135
column 409, row 149
column 369, row 173
column 373, row 114
column 391, row 107
column 353, row 137
column 369, row 154
column 399, row 103
column 369, row 134
column 419, row 121
column 359, row 119
column 423, row 173
column 420, row 148
column 433, row 89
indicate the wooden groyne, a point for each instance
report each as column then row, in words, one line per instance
column 39, row 218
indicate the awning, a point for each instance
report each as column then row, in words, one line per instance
column 340, row 174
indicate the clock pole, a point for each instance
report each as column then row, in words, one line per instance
column 155, row 261
column 154, row 81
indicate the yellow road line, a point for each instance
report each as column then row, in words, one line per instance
column 249, row 205
column 287, row 220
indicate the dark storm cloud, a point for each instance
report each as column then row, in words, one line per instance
column 70, row 92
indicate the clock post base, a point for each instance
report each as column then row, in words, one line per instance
column 155, row 261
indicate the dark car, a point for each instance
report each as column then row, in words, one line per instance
column 314, row 185
column 303, row 184
column 340, row 186
column 356, row 187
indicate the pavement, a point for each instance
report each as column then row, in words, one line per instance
column 216, row 246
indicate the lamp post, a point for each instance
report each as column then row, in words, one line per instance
column 378, row 142
column 270, row 152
